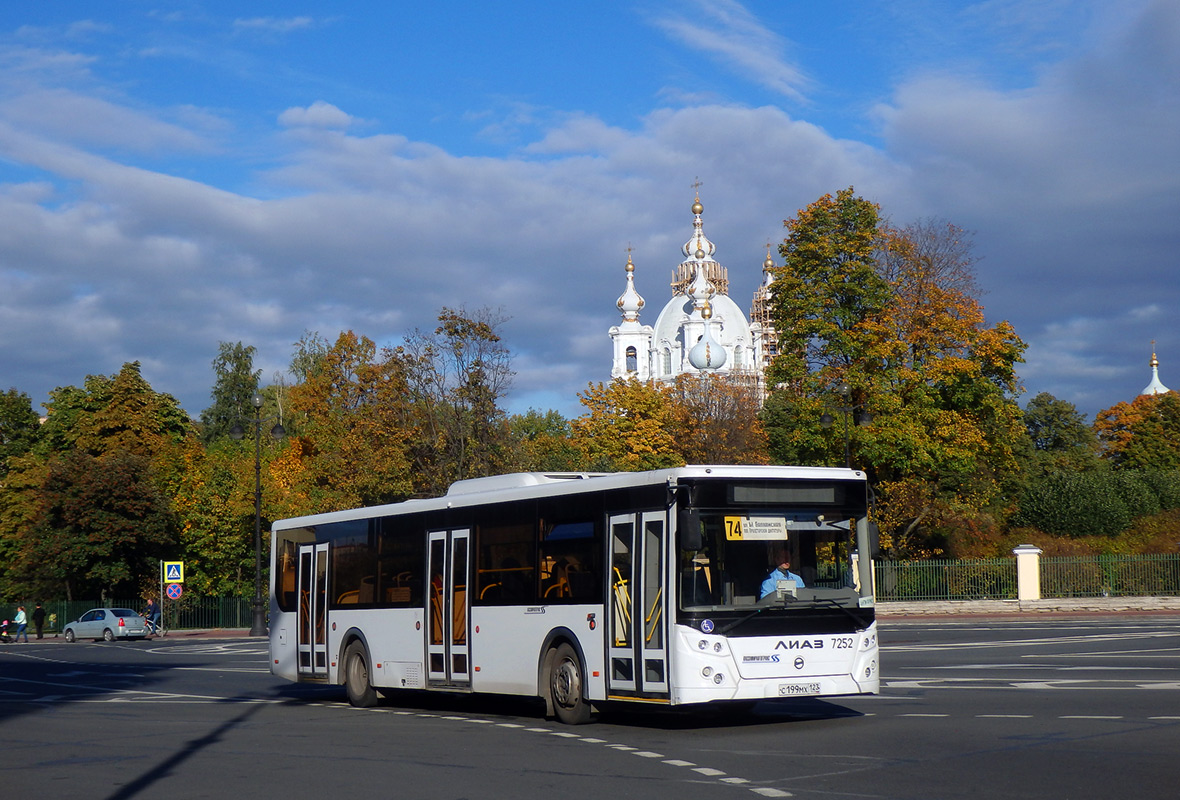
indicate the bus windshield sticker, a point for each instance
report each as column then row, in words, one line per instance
column 756, row 528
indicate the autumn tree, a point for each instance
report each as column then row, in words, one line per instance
column 717, row 420
column 351, row 412
column 1142, row 434
column 117, row 412
column 945, row 383
column 628, row 426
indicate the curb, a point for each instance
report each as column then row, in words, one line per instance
column 1069, row 605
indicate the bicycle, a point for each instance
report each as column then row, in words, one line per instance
column 154, row 628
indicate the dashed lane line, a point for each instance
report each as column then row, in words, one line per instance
column 704, row 771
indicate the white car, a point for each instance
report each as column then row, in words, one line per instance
column 107, row 624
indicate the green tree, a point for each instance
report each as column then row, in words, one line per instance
column 102, row 526
column 20, row 427
column 116, row 423
column 541, row 442
column 457, row 375
column 827, row 292
column 1086, row 504
column 214, row 504
column 310, row 352
column 235, row 382
column 1060, row 437
column 881, row 325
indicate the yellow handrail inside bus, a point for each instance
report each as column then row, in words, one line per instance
column 653, row 616
column 623, row 608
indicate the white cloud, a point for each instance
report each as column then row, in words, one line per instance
column 274, row 24
column 56, row 113
column 729, row 33
column 318, row 115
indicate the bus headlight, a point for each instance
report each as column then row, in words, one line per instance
column 718, row 678
column 703, row 645
column 707, row 671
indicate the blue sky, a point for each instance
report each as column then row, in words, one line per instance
column 176, row 175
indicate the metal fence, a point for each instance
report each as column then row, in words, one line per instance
column 190, row 612
column 1110, row 576
column 995, row 578
column 942, row 579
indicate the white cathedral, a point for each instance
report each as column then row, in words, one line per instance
column 700, row 329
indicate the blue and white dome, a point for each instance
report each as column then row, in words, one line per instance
column 699, row 329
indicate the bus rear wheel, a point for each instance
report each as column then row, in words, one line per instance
column 361, row 693
column 567, row 686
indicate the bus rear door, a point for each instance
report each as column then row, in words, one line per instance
column 447, row 651
column 638, row 618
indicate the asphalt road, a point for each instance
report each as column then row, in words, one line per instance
column 1085, row 707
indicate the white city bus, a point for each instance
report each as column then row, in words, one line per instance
column 587, row 589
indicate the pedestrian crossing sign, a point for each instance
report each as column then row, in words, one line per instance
column 173, row 572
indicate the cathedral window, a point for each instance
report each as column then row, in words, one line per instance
column 632, row 360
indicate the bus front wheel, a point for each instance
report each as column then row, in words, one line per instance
column 361, row 693
column 567, row 686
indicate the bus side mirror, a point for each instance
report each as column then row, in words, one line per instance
column 874, row 540
column 689, row 528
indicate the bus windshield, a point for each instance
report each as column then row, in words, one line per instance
column 785, row 544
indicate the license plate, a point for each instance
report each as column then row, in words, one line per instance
column 797, row 689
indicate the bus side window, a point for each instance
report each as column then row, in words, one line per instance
column 402, row 552
column 570, row 552
column 505, row 565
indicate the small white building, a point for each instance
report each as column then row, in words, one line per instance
column 700, row 329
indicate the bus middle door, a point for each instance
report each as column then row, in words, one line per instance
column 637, row 637
column 448, row 654
column 312, row 635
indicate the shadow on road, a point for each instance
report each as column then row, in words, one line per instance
column 191, row 749
column 766, row 712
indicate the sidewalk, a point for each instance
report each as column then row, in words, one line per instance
column 1069, row 605
column 210, row 633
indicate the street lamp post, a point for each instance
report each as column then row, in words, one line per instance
column 258, row 620
column 863, row 418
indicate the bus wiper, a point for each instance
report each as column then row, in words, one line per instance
column 834, row 604
column 727, row 628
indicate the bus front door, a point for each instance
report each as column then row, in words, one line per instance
column 312, row 637
column 448, row 654
column 638, row 618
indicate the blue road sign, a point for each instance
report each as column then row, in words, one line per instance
column 173, row 572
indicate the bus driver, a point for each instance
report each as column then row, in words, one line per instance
column 781, row 572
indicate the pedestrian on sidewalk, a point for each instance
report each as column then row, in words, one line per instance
column 22, row 624
column 39, row 621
